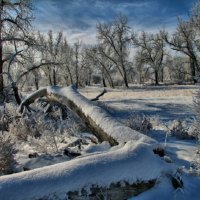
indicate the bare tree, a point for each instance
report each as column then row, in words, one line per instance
column 152, row 50
column 68, row 64
column 77, row 46
column 15, row 19
column 184, row 41
column 139, row 61
column 178, row 68
column 114, row 43
column 102, row 63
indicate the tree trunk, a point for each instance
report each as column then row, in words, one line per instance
column 36, row 80
column 125, row 80
column 49, row 76
column 54, row 77
column 70, row 97
column 1, row 69
column 193, row 64
column 162, row 75
column 104, row 82
column 16, row 93
column 70, row 75
column 156, row 77
column 1, row 50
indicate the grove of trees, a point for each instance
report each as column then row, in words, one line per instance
column 119, row 57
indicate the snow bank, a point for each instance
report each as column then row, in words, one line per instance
column 165, row 191
column 131, row 162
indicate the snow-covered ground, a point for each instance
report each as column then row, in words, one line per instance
column 164, row 103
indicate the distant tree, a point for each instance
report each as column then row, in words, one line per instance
column 102, row 63
column 77, row 46
column 114, row 43
column 152, row 52
column 15, row 23
column 67, row 62
column 50, row 50
column 139, row 61
column 184, row 41
column 178, row 68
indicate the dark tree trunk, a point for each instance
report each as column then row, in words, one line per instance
column 50, row 80
column 104, row 82
column 1, row 50
column 1, row 69
column 193, row 64
column 16, row 94
column 54, row 77
column 156, row 77
column 162, row 75
column 125, row 80
column 36, row 80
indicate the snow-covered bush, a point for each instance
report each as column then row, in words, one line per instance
column 23, row 128
column 155, row 121
column 140, row 123
column 44, row 131
column 195, row 168
column 7, row 152
column 180, row 130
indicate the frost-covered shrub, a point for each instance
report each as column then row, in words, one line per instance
column 195, row 168
column 140, row 123
column 7, row 152
column 155, row 121
column 47, row 143
column 45, row 131
column 194, row 130
column 181, row 130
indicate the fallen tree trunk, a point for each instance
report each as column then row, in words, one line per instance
column 105, row 127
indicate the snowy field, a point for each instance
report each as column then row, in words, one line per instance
column 166, row 102
column 162, row 106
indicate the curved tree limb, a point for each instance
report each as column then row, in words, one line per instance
column 98, row 96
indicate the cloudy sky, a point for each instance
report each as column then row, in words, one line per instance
column 78, row 18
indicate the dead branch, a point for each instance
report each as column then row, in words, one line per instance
column 98, row 96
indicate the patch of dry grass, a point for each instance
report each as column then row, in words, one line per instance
column 140, row 93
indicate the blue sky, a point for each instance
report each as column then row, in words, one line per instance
column 78, row 18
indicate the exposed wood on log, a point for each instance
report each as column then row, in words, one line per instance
column 71, row 153
column 116, row 191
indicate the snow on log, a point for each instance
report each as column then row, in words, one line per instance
column 105, row 127
column 132, row 160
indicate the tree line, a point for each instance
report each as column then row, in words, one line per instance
column 119, row 56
